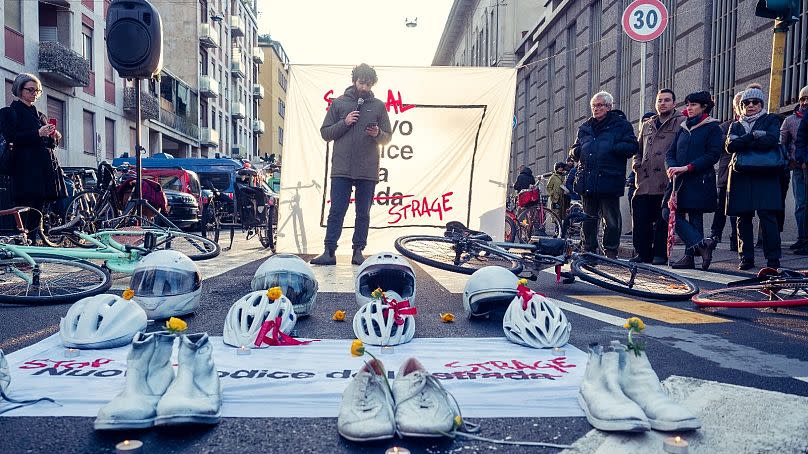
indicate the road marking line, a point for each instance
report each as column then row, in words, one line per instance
column 591, row 313
column 650, row 310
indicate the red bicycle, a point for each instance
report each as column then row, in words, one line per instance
column 533, row 218
column 771, row 288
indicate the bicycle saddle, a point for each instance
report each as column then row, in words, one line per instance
column 458, row 228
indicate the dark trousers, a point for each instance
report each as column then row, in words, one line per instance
column 649, row 230
column 690, row 229
column 607, row 209
column 720, row 219
column 340, row 199
column 769, row 231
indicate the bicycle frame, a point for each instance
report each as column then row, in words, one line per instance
column 116, row 256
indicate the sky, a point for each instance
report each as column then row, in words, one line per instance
column 349, row 32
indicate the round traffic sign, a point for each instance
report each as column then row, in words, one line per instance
column 645, row 20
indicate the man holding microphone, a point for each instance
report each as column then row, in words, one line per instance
column 357, row 123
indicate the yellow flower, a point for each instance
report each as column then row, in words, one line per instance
column 357, row 348
column 176, row 325
column 128, row 294
column 274, row 293
column 458, row 421
column 447, row 317
column 377, row 293
column 522, row 281
column 338, row 316
column 635, row 324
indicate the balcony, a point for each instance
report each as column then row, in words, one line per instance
column 239, row 151
column 258, row 126
column 258, row 91
column 258, row 55
column 237, row 67
column 236, row 27
column 237, row 110
column 208, row 137
column 208, row 38
column 208, row 87
column 184, row 124
column 61, row 65
column 149, row 106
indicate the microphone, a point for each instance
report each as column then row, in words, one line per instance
column 359, row 103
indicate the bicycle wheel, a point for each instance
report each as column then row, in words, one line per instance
column 211, row 224
column 266, row 232
column 771, row 294
column 61, row 280
column 441, row 253
column 511, row 230
column 632, row 278
column 194, row 246
column 537, row 220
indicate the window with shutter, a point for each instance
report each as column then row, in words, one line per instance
column 109, row 136
column 56, row 109
column 89, row 132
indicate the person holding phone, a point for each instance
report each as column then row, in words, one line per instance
column 34, row 169
column 357, row 123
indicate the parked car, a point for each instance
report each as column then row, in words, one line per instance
column 183, row 208
column 183, row 193
column 216, row 172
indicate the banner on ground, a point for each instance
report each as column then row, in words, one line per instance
column 490, row 377
column 447, row 161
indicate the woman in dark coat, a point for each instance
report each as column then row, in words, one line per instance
column 691, row 160
column 34, row 169
column 759, row 192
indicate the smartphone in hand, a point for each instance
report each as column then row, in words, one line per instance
column 53, row 122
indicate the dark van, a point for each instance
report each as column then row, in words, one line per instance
column 218, row 172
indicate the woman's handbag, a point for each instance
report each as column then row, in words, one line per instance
column 765, row 161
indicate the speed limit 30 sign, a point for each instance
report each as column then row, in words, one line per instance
column 645, row 20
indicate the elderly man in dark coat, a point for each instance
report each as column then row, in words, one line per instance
column 604, row 144
column 750, row 192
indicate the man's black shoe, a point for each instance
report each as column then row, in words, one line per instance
column 773, row 263
column 659, row 261
column 684, row 263
column 357, row 258
column 746, row 264
column 803, row 251
column 800, row 244
column 326, row 258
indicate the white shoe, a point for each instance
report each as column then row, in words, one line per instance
column 195, row 396
column 423, row 406
column 640, row 383
column 366, row 412
column 148, row 375
column 602, row 399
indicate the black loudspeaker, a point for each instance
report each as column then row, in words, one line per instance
column 135, row 38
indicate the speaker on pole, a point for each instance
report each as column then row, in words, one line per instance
column 135, row 38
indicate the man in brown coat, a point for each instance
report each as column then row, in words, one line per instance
column 649, row 230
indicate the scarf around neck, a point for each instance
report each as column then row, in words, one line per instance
column 747, row 122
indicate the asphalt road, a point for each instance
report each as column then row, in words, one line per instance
column 760, row 349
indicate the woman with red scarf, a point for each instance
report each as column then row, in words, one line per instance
column 691, row 159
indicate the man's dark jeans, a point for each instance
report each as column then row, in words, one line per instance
column 340, row 199
column 649, row 230
column 606, row 209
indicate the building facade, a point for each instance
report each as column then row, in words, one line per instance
column 573, row 49
column 274, row 77
column 62, row 42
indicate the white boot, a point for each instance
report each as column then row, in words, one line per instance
column 641, row 384
column 195, row 396
column 606, row 406
column 148, row 375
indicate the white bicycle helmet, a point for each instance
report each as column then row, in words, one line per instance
column 489, row 289
column 541, row 325
column 101, row 321
column 245, row 317
column 167, row 284
column 5, row 375
column 387, row 271
column 372, row 327
column 295, row 278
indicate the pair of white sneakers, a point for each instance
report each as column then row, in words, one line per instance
column 418, row 406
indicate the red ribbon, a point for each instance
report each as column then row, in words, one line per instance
column 271, row 334
column 526, row 295
column 400, row 308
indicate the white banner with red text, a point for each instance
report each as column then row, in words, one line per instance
column 489, row 377
column 447, row 161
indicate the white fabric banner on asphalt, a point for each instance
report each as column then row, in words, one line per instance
column 490, row 377
column 447, row 160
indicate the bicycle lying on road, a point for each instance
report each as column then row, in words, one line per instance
column 771, row 288
column 462, row 250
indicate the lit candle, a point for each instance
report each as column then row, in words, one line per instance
column 243, row 350
column 71, row 352
column 397, row 450
column 558, row 351
column 675, row 445
column 129, row 447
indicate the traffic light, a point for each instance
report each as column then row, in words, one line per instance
column 783, row 10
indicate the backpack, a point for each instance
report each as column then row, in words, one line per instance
column 6, row 114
